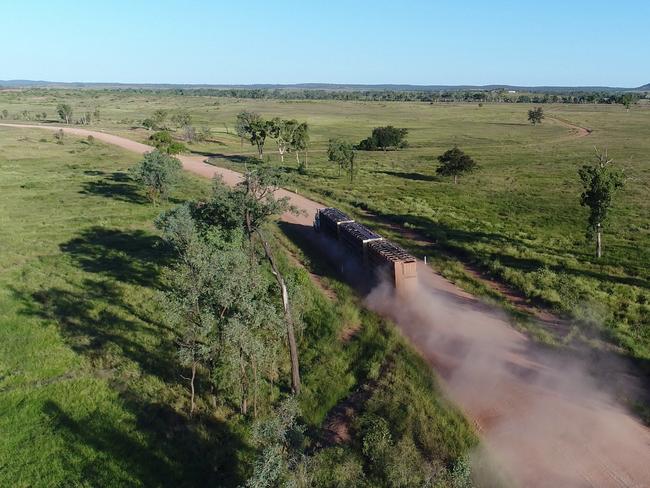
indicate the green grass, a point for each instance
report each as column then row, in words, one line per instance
column 517, row 218
column 91, row 392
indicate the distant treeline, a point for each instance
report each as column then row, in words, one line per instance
column 441, row 96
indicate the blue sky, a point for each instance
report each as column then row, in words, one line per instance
column 571, row 42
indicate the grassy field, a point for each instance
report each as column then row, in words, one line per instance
column 517, row 218
column 90, row 389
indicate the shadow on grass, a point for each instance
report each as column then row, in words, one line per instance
column 95, row 320
column 408, row 176
column 233, row 158
column 131, row 256
column 103, row 319
column 167, row 449
column 117, row 186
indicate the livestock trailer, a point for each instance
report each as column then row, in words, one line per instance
column 383, row 257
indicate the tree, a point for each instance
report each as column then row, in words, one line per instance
column 536, row 115
column 250, row 206
column 600, row 181
column 182, row 119
column 189, row 133
column 243, row 124
column 5, row 113
column 163, row 141
column 219, row 303
column 252, row 126
column 342, row 153
column 159, row 117
column 626, row 99
column 384, row 138
column 156, row 173
column 300, row 142
column 204, row 134
column 282, row 131
column 65, row 112
column 280, row 439
column 149, row 124
column 455, row 162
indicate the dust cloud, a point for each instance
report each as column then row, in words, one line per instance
column 543, row 418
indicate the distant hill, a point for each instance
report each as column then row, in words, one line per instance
column 317, row 86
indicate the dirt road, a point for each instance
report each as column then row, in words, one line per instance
column 193, row 164
column 542, row 416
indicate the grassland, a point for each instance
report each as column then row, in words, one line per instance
column 517, row 219
column 90, row 388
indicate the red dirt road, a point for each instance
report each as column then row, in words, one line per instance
column 541, row 415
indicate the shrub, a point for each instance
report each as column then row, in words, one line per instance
column 156, row 173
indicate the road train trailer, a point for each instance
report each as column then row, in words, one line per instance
column 378, row 254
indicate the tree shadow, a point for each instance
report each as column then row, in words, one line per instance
column 168, row 449
column 99, row 320
column 117, row 185
column 131, row 256
column 233, row 158
column 408, row 176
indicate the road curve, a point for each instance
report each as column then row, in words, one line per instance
column 542, row 416
column 193, row 164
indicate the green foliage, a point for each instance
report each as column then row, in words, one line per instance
column 385, row 138
column 100, row 375
column 163, row 141
column 342, row 153
column 182, row 119
column 159, row 118
column 280, row 440
column 600, row 181
column 536, row 115
column 252, row 126
column 455, row 162
column 149, row 124
column 157, row 173
column 65, row 112
column 377, row 441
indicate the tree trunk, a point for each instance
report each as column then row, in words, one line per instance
column 291, row 337
column 455, row 179
column 298, row 157
column 244, row 385
column 255, row 388
column 192, row 404
column 599, row 243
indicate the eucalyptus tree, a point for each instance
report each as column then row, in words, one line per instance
column 251, row 126
column 280, row 439
column 342, row 153
column 65, row 112
column 226, row 321
column 300, row 142
column 283, row 132
column 600, row 181
column 250, row 206
column 159, row 117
